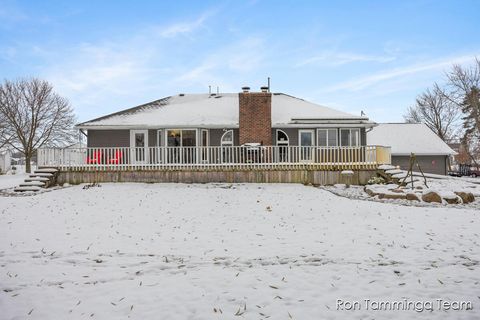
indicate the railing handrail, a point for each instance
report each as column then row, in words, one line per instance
column 348, row 157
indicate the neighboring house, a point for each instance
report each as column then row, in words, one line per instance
column 227, row 119
column 432, row 153
column 5, row 161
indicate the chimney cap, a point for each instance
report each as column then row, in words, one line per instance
column 264, row 89
column 245, row 89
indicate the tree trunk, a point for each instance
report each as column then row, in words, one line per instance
column 28, row 165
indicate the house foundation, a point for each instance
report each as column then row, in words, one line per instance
column 304, row 176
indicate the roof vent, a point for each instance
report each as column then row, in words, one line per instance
column 264, row 89
column 181, row 94
column 246, row 89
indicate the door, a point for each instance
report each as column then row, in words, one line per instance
column 139, row 146
column 305, row 141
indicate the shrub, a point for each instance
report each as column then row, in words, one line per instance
column 376, row 180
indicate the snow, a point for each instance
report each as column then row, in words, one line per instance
column 46, row 170
column 27, row 188
column 175, row 251
column 11, row 180
column 386, row 167
column 445, row 186
column 405, row 138
column 220, row 110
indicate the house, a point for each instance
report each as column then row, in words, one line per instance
column 223, row 137
column 431, row 152
column 5, row 161
column 227, row 119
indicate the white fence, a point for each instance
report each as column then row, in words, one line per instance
column 231, row 157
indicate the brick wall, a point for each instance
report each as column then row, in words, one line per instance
column 255, row 118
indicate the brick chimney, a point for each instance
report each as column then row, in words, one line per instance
column 255, row 116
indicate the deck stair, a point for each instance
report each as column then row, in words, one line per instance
column 40, row 179
column 392, row 174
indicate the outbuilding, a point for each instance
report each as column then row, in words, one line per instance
column 432, row 153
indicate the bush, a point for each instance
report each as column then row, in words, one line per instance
column 376, row 180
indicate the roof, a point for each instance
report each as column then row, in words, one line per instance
column 221, row 110
column 406, row 138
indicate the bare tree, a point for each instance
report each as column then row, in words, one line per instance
column 464, row 85
column 437, row 111
column 4, row 133
column 34, row 116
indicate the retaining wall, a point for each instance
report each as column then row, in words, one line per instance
column 316, row 177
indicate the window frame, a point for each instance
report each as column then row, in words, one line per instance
column 281, row 142
column 227, row 143
column 358, row 138
column 208, row 137
column 327, row 137
column 181, row 136
column 159, row 137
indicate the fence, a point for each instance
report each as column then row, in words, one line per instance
column 204, row 158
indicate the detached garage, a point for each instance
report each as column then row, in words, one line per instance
column 405, row 138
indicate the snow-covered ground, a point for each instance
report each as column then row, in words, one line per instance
column 443, row 185
column 174, row 251
column 11, row 180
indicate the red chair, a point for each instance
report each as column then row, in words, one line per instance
column 117, row 159
column 94, row 157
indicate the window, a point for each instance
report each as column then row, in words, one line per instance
column 282, row 143
column 227, row 138
column 350, row 137
column 205, row 143
column 173, row 138
column 159, row 138
column 181, row 138
column 327, row 137
column 204, row 138
column 184, row 138
column 282, row 138
column 306, row 141
column 227, row 141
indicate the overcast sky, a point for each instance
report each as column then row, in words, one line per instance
column 375, row 56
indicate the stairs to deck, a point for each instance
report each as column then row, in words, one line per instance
column 393, row 175
column 40, row 179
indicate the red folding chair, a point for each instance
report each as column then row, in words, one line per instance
column 94, row 157
column 117, row 158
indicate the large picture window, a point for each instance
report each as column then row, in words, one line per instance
column 327, row 137
column 350, row 137
column 184, row 138
column 181, row 138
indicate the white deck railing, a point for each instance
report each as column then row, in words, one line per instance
column 231, row 157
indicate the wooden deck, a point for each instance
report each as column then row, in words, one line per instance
column 216, row 159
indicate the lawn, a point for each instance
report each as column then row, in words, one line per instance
column 217, row 251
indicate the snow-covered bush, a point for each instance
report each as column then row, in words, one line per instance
column 376, row 180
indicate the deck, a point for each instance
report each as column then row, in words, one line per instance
column 214, row 158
